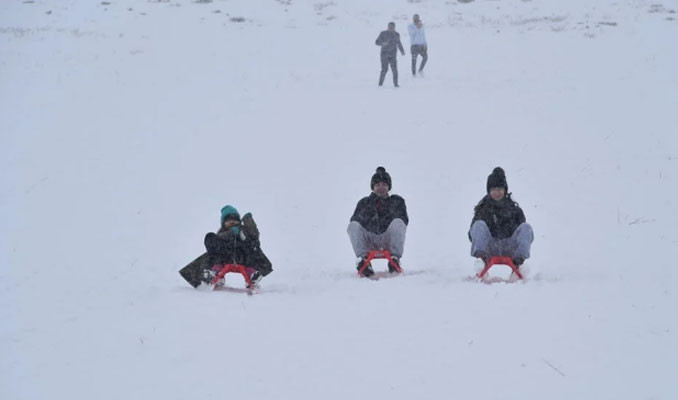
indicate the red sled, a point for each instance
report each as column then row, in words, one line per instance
column 377, row 255
column 239, row 268
column 501, row 260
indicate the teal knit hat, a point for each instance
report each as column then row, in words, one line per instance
column 228, row 210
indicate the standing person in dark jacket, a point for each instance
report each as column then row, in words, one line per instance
column 379, row 222
column 389, row 40
column 498, row 227
column 236, row 242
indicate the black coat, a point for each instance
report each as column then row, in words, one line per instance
column 224, row 248
column 502, row 217
column 244, row 248
column 389, row 42
column 375, row 213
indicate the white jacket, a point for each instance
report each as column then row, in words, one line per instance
column 417, row 35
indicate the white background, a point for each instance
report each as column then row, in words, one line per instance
column 125, row 127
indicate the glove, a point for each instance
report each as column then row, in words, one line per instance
column 250, row 227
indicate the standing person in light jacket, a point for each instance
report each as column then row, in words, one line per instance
column 379, row 222
column 499, row 227
column 390, row 43
column 417, row 44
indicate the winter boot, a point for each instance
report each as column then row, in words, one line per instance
column 368, row 271
column 208, row 276
column 396, row 260
column 256, row 278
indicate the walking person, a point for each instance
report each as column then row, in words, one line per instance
column 417, row 44
column 390, row 43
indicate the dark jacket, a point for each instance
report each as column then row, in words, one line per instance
column 228, row 247
column 389, row 42
column 238, row 246
column 375, row 213
column 502, row 217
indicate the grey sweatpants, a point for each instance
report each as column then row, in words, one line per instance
column 516, row 246
column 392, row 240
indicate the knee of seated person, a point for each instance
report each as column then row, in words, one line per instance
column 397, row 223
column 353, row 226
column 479, row 224
column 525, row 227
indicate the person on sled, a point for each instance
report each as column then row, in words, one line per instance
column 236, row 242
column 379, row 222
column 498, row 227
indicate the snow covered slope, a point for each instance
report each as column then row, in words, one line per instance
column 126, row 125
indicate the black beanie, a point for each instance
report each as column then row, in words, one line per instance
column 380, row 176
column 497, row 179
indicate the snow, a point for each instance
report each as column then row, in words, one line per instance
column 125, row 127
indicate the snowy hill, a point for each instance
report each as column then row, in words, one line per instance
column 126, row 125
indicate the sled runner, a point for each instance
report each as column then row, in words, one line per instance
column 379, row 254
column 500, row 260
